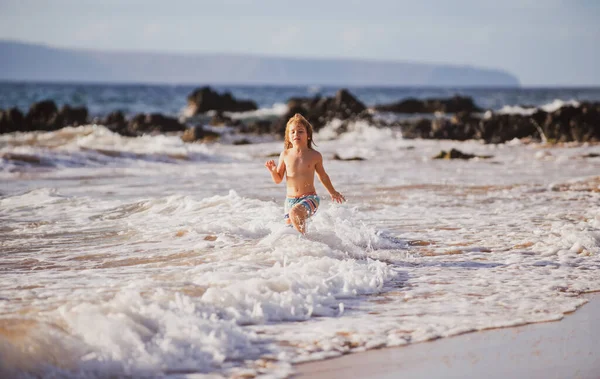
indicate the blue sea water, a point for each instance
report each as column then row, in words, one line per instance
column 101, row 99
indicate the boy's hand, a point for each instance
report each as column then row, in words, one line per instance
column 271, row 165
column 337, row 197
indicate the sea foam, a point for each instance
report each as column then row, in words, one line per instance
column 149, row 265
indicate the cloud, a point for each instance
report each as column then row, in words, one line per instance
column 352, row 37
column 152, row 30
column 92, row 33
column 285, row 37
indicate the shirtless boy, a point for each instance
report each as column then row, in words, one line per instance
column 298, row 163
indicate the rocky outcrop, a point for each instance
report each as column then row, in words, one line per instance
column 420, row 128
column 320, row 110
column 199, row 134
column 336, row 157
column 452, row 105
column 11, row 120
column 257, row 127
column 154, row 123
column 205, row 99
column 570, row 123
column 116, row 122
column 457, row 154
column 220, row 119
column 72, row 116
column 43, row 115
column 573, row 123
column 566, row 124
column 504, row 127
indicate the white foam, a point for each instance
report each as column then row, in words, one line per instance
column 185, row 266
column 278, row 109
column 357, row 132
column 550, row 107
column 95, row 146
column 557, row 104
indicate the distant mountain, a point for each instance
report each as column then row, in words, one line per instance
column 31, row 62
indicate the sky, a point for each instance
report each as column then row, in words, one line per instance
column 542, row 42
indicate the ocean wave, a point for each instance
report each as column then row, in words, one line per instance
column 357, row 132
column 274, row 111
column 528, row 111
column 94, row 146
column 255, row 271
column 170, row 272
column 277, row 110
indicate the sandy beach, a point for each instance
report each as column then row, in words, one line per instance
column 564, row 349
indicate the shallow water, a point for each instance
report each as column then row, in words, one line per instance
column 148, row 256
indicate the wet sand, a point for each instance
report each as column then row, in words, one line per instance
column 565, row 349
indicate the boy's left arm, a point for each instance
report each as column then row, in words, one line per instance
column 324, row 178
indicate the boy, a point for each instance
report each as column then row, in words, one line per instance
column 298, row 163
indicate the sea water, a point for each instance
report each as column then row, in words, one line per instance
column 131, row 99
column 152, row 257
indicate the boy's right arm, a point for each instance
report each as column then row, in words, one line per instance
column 277, row 171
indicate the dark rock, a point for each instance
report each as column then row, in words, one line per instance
column 457, row 154
column 418, row 129
column 563, row 125
column 346, row 105
column 465, row 126
column 12, row 120
column 258, row 127
column 114, row 118
column 559, row 123
column 116, row 122
column 199, row 134
column 154, row 123
column 166, row 124
column 46, row 116
column 321, row 110
column 243, row 141
column 69, row 116
column 220, row 119
column 43, row 116
column 454, row 104
column 405, row 106
column 505, row 127
column 278, row 126
column 205, row 99
column 462, row 126
column 304, row 102
column 574, row 124
column 336, row 157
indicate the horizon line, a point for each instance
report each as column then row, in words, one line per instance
column 281, row 85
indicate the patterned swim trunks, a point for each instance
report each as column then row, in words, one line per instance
column 309, row 201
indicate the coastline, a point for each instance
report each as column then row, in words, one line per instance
column 561, row 349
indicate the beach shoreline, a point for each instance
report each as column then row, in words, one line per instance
column 559, row 349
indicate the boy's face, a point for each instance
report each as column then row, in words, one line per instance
column 298, row 135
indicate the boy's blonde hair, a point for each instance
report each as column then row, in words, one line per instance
column 299, row 120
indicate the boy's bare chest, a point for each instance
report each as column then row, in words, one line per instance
column 299, row 164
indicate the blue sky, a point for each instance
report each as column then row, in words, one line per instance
column 543, row 42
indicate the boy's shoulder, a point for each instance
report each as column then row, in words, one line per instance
column 316, row 154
